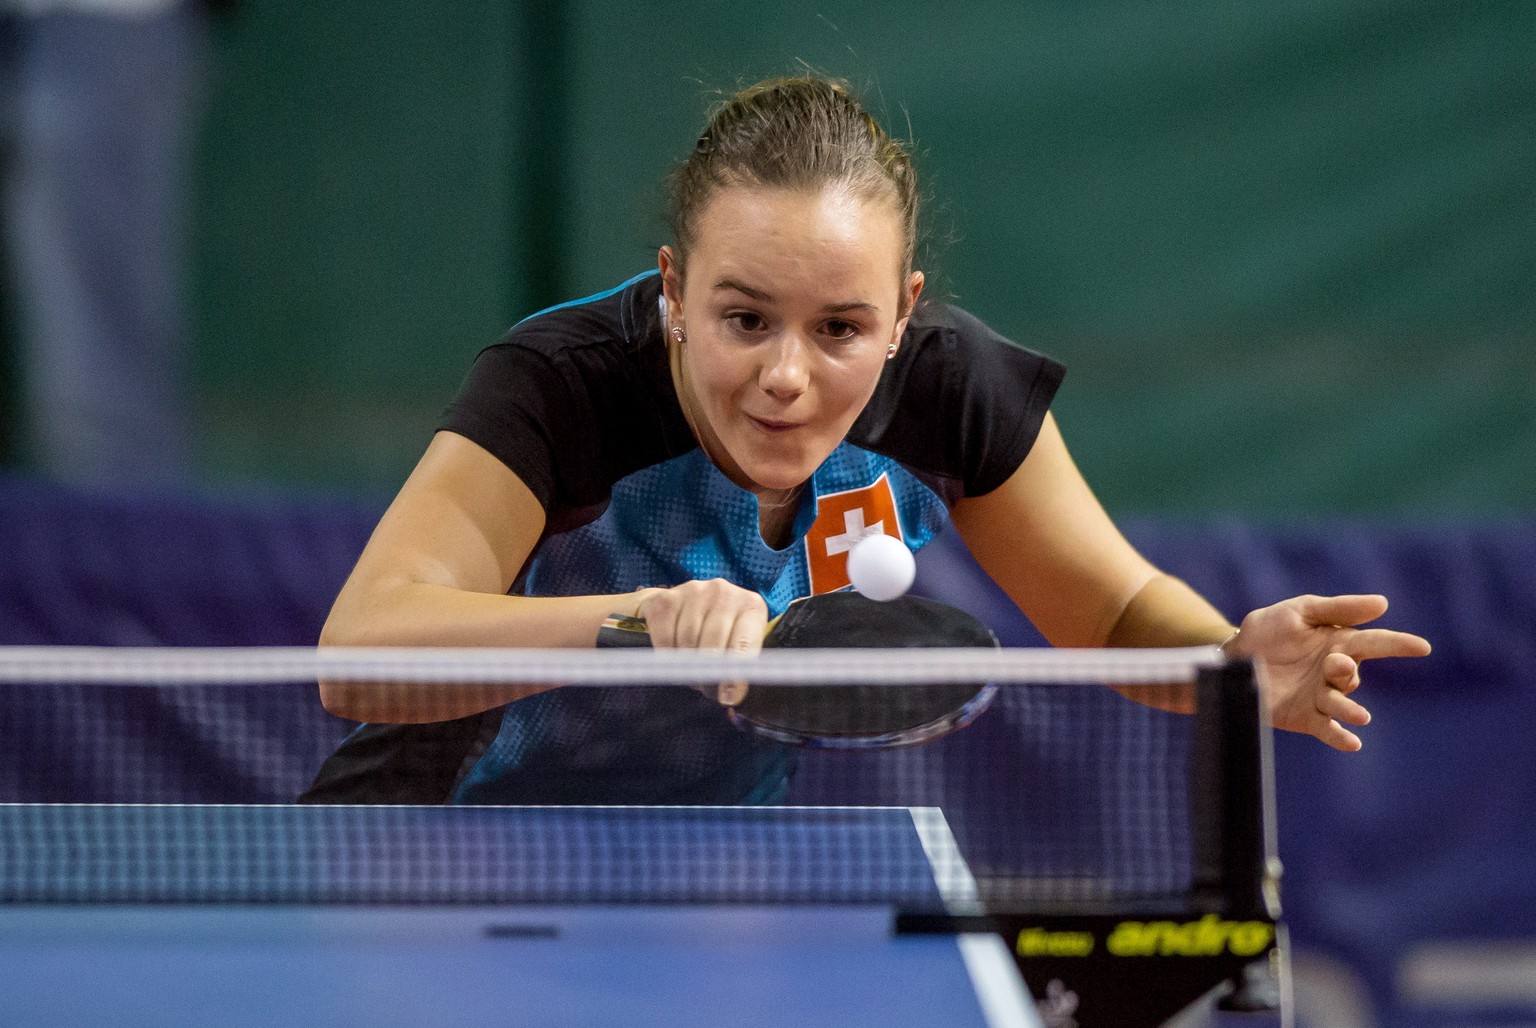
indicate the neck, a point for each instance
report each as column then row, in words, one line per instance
column 777, row 499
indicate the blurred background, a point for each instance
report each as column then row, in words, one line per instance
column 1286, row 251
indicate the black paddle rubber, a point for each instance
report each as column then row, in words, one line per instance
column 854, row 716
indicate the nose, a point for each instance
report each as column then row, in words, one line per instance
column 786, row 368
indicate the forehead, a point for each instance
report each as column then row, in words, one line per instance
column 834, row 235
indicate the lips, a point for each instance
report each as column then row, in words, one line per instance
column 773, row 425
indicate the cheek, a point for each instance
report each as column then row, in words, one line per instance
column 715, row 377
column 853, row 384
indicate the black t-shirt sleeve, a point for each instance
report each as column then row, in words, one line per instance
column 1006, row 398
column 960, row 402
column 519, row 404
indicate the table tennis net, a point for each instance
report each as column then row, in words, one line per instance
column 169, row 776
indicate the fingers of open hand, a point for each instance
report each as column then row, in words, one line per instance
column 1332, row 706
column 1341, row 672
column 1336, row 706
column 1321, row 716
column 1371, row 643
column 1342, row 610
column 1335, row 735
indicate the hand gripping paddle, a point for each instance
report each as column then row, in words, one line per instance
column 853, row 716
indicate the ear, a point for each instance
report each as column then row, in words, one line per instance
column 671, row 283
column 909, row 295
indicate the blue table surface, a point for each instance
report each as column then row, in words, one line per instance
column 441, row 916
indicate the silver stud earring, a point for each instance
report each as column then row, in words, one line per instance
column 890, row 351
column 679, row 336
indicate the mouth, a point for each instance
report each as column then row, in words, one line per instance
column 774, row 426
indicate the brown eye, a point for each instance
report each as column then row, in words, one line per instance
column 746, row 321
column 841, row 329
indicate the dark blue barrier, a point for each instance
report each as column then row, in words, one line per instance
column 89, row 568
column 1394, row 857
column 1410, row 867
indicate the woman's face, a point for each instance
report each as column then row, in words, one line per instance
column 793, row 300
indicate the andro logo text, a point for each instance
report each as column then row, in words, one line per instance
column 1040, row 942
column 1208, row 937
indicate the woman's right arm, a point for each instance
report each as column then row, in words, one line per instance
column 436, row 573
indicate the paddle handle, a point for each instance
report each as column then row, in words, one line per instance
column 621, row 630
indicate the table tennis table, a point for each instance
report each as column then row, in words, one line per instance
column 173, row 915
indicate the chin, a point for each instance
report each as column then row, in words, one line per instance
column 777, row 474
column 777, row 463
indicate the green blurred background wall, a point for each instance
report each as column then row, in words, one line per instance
column 1285, row 249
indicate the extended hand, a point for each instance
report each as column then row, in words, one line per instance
column 1311, row 650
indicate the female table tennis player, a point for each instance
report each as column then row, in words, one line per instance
column 693, row 446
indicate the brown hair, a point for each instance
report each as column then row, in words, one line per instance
column 802, row 133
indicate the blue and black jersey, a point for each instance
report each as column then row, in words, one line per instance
column 578, row 401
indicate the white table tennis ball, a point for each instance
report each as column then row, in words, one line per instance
column 881, row 567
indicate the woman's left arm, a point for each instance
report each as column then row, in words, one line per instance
column 1045, row 539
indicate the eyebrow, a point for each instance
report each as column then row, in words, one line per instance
column 762, row 297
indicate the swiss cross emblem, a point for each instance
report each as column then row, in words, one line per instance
column 842, row 519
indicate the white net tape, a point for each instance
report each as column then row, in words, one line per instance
column 21, row 665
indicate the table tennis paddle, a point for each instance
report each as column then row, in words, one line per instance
column 853, row 716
